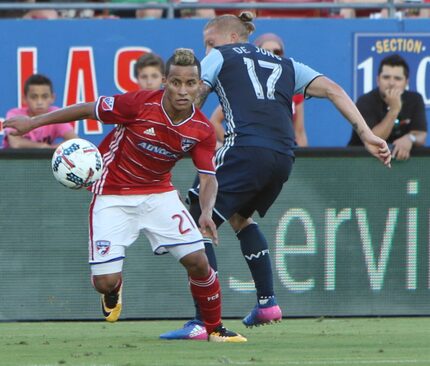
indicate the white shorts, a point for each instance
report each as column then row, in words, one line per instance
column 116, row 222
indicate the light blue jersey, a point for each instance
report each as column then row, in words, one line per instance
column 255, row 89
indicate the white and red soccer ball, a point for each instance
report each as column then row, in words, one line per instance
column 77, row 163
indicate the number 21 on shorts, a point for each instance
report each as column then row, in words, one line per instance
column 185, row 222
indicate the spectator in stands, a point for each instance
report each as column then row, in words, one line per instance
column 149, row 71
column 39, row 97
column 365, row 13
column 194, row 12
column 292, row 13
column 85, row 13
column 219, row 11
column 392, row 112
column 425, row 12
column 12, row 13
column 146, row 13
column 40, row 13
column 271, row 13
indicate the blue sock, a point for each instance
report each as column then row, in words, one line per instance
column 256, row 253
column 210, row 253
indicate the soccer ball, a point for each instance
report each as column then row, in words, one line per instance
column 77, row 163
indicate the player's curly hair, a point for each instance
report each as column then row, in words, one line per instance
column 241, row 24
column 183, row 57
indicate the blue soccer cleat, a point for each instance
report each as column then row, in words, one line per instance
column 192, row 330
column 262, row 314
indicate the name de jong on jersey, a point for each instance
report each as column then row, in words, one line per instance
column 255, row 89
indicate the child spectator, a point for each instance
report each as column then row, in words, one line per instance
column 38, row 97
column 149, row 71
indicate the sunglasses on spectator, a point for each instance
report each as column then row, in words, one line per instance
column 278, row 52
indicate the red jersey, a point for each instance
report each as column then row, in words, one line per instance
column 141, row 151
column 297, row 99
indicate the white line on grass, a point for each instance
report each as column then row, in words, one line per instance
column 330, row 362
column 352, row 362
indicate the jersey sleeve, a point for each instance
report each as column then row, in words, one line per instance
column 203, row 154
column 303, row 76
column 211, row 67
column 120, row 109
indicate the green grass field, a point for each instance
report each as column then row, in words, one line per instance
column 357, row 341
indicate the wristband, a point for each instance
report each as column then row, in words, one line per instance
column 412, row 137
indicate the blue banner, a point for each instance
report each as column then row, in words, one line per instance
column 89, row 58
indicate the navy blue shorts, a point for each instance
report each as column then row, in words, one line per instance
column 249, row 179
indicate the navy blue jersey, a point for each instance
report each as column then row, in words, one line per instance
column 255, row 89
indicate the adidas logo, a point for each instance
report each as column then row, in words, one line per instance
column 149, row 131
column 197, row 330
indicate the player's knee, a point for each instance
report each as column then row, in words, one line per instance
column 196, row 264
column 106, row 283
column 239, row 223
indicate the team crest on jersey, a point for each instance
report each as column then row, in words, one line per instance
column 187, row 144
column 107, row 103
column 103, row 246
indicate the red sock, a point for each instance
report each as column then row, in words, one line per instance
column 207, row 294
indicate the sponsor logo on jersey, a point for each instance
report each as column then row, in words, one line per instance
column 158, row 150
column 103, row 246
column 150, row 131
column 187, row 144
column 107, row 103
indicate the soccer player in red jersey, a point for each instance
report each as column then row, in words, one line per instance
column 154, row 130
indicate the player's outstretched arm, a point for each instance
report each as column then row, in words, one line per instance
column 24, row 124
column 207, row 197
column 325, row 88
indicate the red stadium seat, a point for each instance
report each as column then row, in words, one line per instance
column 227, row 11
column 272, row 13
column 292, row 13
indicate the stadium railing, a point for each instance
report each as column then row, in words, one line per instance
column 171, row 7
